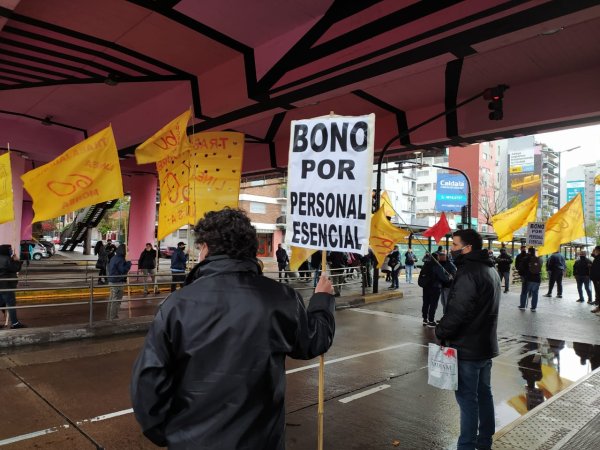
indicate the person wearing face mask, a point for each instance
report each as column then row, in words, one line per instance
column 581, row 272
column 178, row 262
column 469, row 325
column 595, row 277
column 211, row 372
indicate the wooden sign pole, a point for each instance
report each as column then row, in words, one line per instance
column 320, row 407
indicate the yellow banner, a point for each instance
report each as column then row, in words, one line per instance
column 86, row 174
column 173, row 178
column 167, row 141
column 384, row 236
column 564, row 226
column 509, row 221
column 215, row 172
column 299, row 255
column 597, row 179
column 388, row 208
column 7, row 212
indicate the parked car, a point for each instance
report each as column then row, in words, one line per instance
column 31, row 249
column 49, row 246
column 166, row 252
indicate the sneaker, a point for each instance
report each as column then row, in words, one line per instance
column 548, row 295
column 17, row 325
column 505, row 291
column 596, row 309
column 559, row 296
column 431, row 324
column 532, row 309
column 590, row 302
column 580, row 301
column 522, row 308
column 425, row 322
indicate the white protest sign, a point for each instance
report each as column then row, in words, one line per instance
column 535, row 233
column 329, row 183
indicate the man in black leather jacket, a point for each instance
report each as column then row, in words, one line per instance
column 469, row 325
column 211, row 373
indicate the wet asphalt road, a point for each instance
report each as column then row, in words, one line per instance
column 76, row 395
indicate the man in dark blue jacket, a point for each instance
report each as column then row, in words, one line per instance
column 178, row 262
column 556, row 266
column 211, row 373
column 469, row 326
column 118, row 268
column 10, row 265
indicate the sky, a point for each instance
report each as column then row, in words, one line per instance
column 587, row 137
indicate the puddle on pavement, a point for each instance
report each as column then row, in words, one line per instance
column 545, row 368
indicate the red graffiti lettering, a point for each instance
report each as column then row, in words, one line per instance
column 65, row 188
column 169, row 140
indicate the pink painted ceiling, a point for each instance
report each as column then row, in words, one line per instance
column 252, row 66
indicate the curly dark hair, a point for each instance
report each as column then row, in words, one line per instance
column 227, row 232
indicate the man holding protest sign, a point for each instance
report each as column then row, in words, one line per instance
column 329, row 192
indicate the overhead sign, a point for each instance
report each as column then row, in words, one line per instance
column 535, row 233
column 451, row 192
column 329, row 186
column 524, row 174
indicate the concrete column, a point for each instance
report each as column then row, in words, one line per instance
column 142, row 213
column 10, row 232
column 26, row 218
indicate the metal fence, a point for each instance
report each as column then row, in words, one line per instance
column 83, row 287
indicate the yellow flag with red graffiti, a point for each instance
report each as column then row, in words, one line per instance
column 167, row 141
column 564, row 226
column 384, row 236
column 7, row 212
column 299, row 255
column 215, row 172
column 173, row 178
column 386, row 203
column 86, row 174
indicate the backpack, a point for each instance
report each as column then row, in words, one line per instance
column 410, row 259
column 534, row 266
column 425, row 275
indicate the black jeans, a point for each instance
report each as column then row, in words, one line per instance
column 555, row 276
column 177, row 278
column 597, row 291
column 431, row 297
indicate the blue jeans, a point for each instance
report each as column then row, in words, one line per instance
column 409, row 270
column 532, row 288
column 9, row 299
column 474, row 398
column 583, row 282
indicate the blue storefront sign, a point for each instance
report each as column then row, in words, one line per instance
column 451, row 192
column 574, row 188
column 597, row 202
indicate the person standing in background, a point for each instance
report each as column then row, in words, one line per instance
column 503, row 263
column 409, row 262
column 595, row 277
column 556, row 266
column 102, row 262
column 581, row 272
column 10, row 265
column 118, row 268
column 178, row 262
column 282, row 261
column 147, row 265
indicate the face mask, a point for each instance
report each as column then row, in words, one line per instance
column 456, row 253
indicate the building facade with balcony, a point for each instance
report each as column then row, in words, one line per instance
column 580, row 179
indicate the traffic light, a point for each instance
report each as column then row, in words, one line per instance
column 495, row 96
column 374, row 201
column 464, row 214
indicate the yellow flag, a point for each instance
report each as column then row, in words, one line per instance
column 215, row 171
column 86, row 174
column 385, row 201
column 7, row 212
column 597, row 179
column 509, row 221
column 173, row 178
column 299, row 255
column 165, row 142
column 384, row 236
column 564, row 226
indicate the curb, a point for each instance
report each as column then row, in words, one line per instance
column 360, row 300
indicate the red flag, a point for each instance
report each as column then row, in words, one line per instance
column 439, row 230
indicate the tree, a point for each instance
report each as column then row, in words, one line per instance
column 492, row 198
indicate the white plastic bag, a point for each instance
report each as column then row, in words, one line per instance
column 443, row 367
